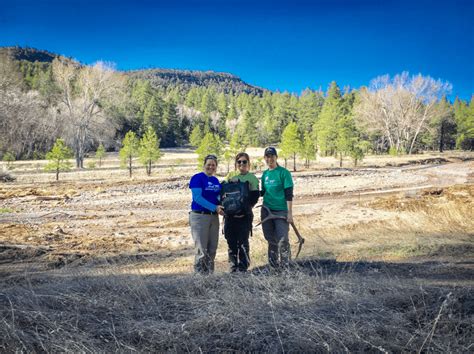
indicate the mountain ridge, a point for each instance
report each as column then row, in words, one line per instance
column 158, row 77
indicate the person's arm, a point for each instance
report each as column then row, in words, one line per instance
column 253, row 198
column 198, row 198
column 254, row 193
column 289, row 203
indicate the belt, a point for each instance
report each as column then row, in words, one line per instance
column 204, row 212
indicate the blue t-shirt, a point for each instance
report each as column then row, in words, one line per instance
column 210, row 188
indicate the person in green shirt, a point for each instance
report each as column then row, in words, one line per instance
column 237, row 228
column 277, row 191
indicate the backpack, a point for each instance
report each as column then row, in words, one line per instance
column 235, row 197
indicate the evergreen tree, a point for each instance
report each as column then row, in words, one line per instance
column 149, row 151
column 281, row 104
column 325, row 129
column 8, row 157
column 141, row 94
column 247, row 129
column 290, row 143
column 222, row 105
column 464, row 116
column 129, row 151
column 58, row 158
column 210, row 144
column 154, row 116
column 347, row 137
column 308, row 150
column 236, row 145
column 193, row 98
column 310, row 104
column 441, row 129
column 357, row 151
column 348, row 141
column 196, row 136
column 270, row 128
column 209, row 101
column 100, row 154
column 173, row 134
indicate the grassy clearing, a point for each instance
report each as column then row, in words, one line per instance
column 401, row 283
column 439, row 223
column 312, row 308
column 345, row 302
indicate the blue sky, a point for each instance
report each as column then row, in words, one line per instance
column 279, row 45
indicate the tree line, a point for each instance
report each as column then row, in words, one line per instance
column 90, row 105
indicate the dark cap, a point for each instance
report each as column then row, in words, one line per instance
column 270, row 151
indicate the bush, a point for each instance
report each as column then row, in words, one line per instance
column 91, row 165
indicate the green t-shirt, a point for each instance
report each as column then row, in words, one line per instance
column 248, row 177
column 274, row 183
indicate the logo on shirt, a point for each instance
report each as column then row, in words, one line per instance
column 212, row 187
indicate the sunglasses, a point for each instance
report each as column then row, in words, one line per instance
column 242, row 162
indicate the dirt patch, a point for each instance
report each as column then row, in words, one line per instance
column 462, row 196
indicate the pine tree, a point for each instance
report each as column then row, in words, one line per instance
column 310, row 104
column 128, row 151
column 325, row 129
column 149, row 150
column 153, row 116
column 8, row 157
column 290, row 143
column 58, row 158
column 222, row 105
column 464, row 116
column 100, row 154
column 210, row 144
column 441, row 129
column 236, row 145
column 308, row 150
column 172, row 135
column 196, row 136
column 281, row 104
column 347, row 137
column 141, row 94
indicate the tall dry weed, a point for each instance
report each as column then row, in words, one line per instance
column 311, row 308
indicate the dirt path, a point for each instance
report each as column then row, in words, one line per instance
column 51, row 226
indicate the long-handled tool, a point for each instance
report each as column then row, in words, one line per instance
column 272, row 216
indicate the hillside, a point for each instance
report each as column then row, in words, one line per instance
column 190, row 78
column 28, row 54
column 159, row 78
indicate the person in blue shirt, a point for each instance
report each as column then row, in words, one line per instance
column 203, row 218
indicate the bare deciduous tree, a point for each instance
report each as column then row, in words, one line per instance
column 26, row 124
column 84, row 93
column 400, row 108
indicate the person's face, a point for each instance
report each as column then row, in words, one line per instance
column 210, row 167
column 271, row 160
column 243, row 165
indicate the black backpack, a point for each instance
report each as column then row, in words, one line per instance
column 235, row 197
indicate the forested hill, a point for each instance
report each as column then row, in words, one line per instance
column 187, row 79
column 42, row 99
column 28, row 54
column 158, row 78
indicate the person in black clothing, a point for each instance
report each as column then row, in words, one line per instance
column 237, row 228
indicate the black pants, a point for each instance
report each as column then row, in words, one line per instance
column 237, row 232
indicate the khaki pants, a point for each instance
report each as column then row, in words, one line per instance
column 205, row 233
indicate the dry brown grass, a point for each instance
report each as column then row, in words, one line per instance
column 316, row 307
column 394, row 284
column 438, row 222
